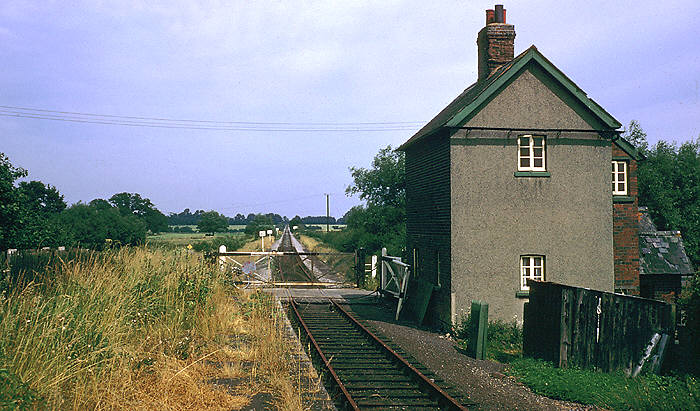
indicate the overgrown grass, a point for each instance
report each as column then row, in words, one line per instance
column 136, row 328
column 504, row 340
column 615, row 391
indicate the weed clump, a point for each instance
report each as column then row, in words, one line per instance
column 504, row 340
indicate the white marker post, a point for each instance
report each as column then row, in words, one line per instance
column 261, row 233
column 222, row 259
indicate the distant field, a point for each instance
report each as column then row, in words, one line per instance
column 186, row 238
column 333, row 227
column 194, row 227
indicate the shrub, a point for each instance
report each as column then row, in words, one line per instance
column 504, row 340
column 232, row 242
column 689, row 304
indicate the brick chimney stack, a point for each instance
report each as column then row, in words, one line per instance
column 495, row 42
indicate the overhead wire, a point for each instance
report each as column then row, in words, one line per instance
column 198, row 124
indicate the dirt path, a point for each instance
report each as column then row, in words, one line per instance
column 482, row 381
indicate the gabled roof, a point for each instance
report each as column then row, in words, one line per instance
column 660, row 252
column 472, row 99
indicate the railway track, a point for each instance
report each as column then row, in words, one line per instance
column 366, row 372
column 291, row 267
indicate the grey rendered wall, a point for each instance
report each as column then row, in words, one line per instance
column 428, row 220
column 497, row 217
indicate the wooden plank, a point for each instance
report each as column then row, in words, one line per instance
column 565, row 328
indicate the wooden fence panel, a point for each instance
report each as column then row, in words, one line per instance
column 574, row 326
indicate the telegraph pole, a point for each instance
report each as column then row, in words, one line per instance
column 328, row 212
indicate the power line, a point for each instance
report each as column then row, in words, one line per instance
column 185, row 127
column 158, row 122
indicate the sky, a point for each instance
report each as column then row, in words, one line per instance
column 283, row 97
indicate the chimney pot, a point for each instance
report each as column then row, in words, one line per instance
column 490, row 16
column 495, row 42
column 500, row 16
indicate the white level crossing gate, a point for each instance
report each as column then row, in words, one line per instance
column 394, row 278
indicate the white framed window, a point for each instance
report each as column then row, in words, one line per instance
column 531, row 153
column 619, row 177
column 531, row 267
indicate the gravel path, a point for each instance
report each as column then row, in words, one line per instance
column 482, row 381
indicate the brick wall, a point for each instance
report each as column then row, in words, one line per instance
column 626, row 232
column 496, row 46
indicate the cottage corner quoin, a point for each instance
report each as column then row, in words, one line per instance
column 512, row 181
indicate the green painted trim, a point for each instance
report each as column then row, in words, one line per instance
column 621, row 158
column 522, row 294
column 574, row 92
column 552, row 141
column 577, row 142
column 532, row 174
column 565, row 95
column 623, row 199
column 488, row 94
column 628, row 148
column 609, row 120
column 483, row 142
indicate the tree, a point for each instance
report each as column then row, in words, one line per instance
column 669, row 184
column 39, row 205
column 9, row 205
column 212, row 222
column 636, row 136
column 143, row 208
column 382, row 222
column 260, row 222
column 296, row 221
column 92, row 225
column 384, row 184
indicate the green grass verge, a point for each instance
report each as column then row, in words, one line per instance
column 615, row 391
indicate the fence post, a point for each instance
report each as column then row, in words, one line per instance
column 360, row 267
column 383, row 279
column 222, row 259
column 479, row 326
column 374, row 266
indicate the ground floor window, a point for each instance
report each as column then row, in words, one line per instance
column 531, row 267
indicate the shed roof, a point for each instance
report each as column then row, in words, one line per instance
column 473, row 98
column 660, row 252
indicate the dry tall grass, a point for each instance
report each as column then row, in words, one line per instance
column 138, row 329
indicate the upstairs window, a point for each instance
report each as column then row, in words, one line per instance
column 531, row 153
column 619, row 178
column 531, row 268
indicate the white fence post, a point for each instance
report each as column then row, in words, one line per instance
column 222, row 259
column 374, row 266
column 383, row 279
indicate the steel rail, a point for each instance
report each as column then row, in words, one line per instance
column 276, row 253
column 439, row 392
column 327, row 363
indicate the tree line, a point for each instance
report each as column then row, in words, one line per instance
column 186, row 217
column 34, row 214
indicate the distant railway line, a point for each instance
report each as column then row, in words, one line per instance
column 290, row 267
column 364, row 371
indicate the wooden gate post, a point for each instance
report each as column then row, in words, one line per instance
column 479, row 326
column 360, row 267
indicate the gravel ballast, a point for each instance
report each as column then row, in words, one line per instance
column 484, row 382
